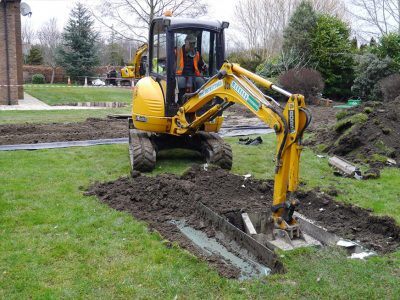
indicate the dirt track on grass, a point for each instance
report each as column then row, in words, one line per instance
column 91, row 129
column 158, row 200
column 95, row 128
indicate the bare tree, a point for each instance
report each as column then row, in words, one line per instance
column 131, row 19
column 50, row 40
column 377, row 16
column 27, row 36
column 262, row 22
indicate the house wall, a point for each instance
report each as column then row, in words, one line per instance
column 10, row 43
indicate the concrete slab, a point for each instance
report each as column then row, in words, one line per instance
column 31, row 103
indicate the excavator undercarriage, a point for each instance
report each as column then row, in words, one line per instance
column 144, row 146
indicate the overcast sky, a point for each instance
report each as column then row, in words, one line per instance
column 43, row 10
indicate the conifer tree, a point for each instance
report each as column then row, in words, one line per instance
column 35, row 56
column 79, row 52
column 298, row 34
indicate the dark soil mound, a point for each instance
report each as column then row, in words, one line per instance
column 91, row 129
column 369, row 133
column 158, row 200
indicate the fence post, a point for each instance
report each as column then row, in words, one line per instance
column 85, row 82
column 69, row 80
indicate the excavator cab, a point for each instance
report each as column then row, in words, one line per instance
column 183, row 55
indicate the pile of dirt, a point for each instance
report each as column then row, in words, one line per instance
column 91, row 129
column 161, row 199
column 369, row 133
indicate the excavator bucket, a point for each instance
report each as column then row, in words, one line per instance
column 256, row 233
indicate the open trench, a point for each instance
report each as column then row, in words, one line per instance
column 169, row 202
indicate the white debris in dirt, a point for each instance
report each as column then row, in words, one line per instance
column 346, row 244
column 361, row 255
column 243, row 186
column 320, row 156
column 391, row 161
column 205, row 167
column 246, row 176
column 321, row 209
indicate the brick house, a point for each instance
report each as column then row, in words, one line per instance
column 11, row 77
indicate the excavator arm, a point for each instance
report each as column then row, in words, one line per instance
column 234, row 84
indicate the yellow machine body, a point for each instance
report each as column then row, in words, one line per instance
column 148, row 110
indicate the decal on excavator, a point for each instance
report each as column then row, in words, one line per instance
column 211, row 88
column 253, row 102
column 292, row 121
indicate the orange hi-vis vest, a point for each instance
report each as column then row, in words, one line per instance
column 180, row 63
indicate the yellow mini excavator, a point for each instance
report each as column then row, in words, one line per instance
column 137, row 69
column 179, row 104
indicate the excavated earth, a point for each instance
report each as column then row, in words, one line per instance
column 91, row 129
column 95, row 128
column 161, row 199
column 367, row 134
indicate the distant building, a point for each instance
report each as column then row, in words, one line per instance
column 11, row 78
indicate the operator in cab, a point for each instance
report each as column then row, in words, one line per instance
column 189, row 60
column 189, row 66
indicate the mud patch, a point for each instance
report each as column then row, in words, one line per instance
column 165, row 198
column 91, row 129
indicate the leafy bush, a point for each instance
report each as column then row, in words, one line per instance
column 332, row 52
column 390, row 87
column 38, row 79
column 368, row 71
column 246, row 59
column 389, row 46
column 307, row 82
column 284, row 62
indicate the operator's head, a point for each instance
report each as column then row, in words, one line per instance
column 190, row 41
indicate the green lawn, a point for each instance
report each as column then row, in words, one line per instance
column 63, row 94
column 56, row 243
column 56, row 116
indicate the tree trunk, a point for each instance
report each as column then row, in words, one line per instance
column 53, row 71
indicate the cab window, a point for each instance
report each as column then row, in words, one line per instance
column 189, row 44
column 159, row 60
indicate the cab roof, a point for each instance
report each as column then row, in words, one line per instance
column 180, row 23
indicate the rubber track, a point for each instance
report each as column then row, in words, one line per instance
column 215, row 149
column 141, row 151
